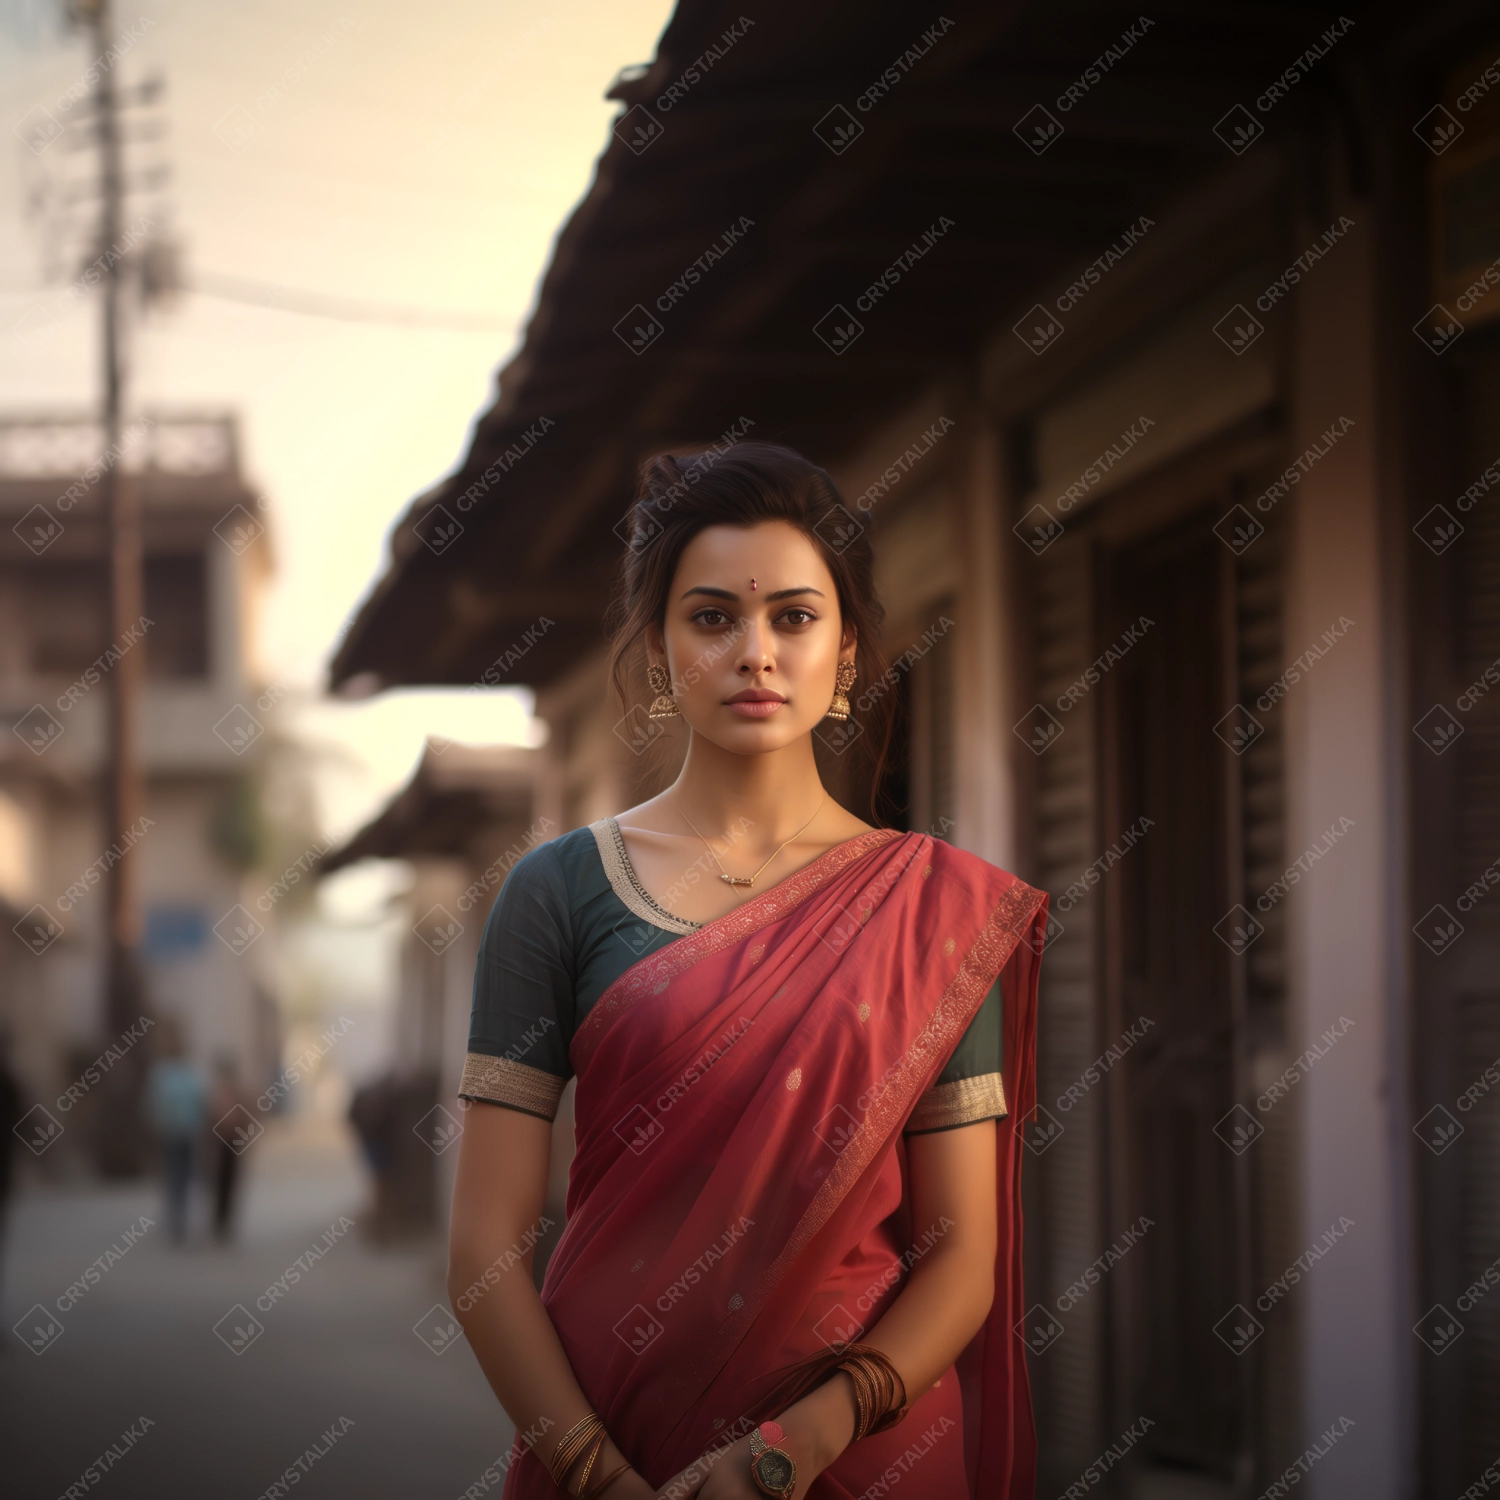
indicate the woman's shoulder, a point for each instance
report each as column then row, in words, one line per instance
column 551, row 872
column 963, row 864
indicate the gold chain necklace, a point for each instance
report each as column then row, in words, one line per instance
column 747, row 880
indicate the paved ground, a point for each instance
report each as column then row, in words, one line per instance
column 336, row 1367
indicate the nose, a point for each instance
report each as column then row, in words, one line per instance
column 755, row 655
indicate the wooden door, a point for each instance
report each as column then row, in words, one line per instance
column 1167, row 1002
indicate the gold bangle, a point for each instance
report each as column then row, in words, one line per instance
column 571, row 1445
column 600, row 1438
column 880, row 1399
column 608, row 1480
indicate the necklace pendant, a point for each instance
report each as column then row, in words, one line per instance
column 738, row 879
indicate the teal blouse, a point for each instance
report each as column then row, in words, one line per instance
column 569, row 920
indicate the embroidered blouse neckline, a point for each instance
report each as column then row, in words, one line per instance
column 625, row 883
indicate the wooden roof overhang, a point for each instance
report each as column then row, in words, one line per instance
column 522, row 531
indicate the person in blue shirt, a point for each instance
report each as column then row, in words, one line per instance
column 176, row 1101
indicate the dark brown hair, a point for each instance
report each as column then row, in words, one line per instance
column 745, row 484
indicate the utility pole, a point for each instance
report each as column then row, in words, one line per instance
column 124, row 795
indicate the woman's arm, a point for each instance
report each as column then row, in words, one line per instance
column 942, row 1306
column 498, row 1197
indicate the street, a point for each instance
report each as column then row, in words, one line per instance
column 332, row 1390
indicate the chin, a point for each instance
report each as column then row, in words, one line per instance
column 751, row 736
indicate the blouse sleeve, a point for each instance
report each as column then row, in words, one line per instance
column 970, row 1087
column 522, row 1020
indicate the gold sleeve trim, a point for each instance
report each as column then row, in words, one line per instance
column 498, row 1080
column 961, row 1102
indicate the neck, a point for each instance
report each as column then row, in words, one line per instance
column 754, row 800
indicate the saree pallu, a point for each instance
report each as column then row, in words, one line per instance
column 737, row 1200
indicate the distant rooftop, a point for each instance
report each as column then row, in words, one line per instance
column 63, row 446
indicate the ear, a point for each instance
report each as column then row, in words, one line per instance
column 655, row 642
column 849, row 643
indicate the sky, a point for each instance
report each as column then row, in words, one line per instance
column 359, row 157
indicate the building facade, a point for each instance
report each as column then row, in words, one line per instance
column 1178, row 448
column 204, row 730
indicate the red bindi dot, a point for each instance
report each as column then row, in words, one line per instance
column 752, row 583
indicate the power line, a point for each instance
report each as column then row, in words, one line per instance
column 319, row 305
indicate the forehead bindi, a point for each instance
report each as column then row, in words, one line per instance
column 722, row 560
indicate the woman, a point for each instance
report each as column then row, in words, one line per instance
column 795, row 1193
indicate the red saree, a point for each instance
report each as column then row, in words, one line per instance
column 737, row 1197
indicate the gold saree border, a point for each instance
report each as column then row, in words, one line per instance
column 962, row 1102
column 498, row 1080
column 991, row 951
column 652, row 974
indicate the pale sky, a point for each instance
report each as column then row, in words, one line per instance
column 415, row 157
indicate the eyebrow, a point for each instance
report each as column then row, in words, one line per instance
column 734, row 598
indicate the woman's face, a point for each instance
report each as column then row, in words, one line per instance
column 752, row 667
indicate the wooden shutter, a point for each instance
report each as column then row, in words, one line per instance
column 1066, row 1178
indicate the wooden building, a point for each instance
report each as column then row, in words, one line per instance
column 1160, row 354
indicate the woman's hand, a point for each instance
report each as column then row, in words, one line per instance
column 815, row 1430
column 721, row 1475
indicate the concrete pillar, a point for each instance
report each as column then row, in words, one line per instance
column 986, row 649
column 1343, row 762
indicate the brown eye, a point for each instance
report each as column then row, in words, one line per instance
column 798, row 616
column 711, row 617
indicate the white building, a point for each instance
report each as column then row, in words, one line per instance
column 203, row 730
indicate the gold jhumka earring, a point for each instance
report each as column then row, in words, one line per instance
column 842, row 682
column 664, row 706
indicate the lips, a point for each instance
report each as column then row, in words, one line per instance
column 754, row 703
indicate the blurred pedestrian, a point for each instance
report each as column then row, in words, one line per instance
column 230, row 1109
column 10, row 1117
column 372, row 1112
column 177, row 1103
